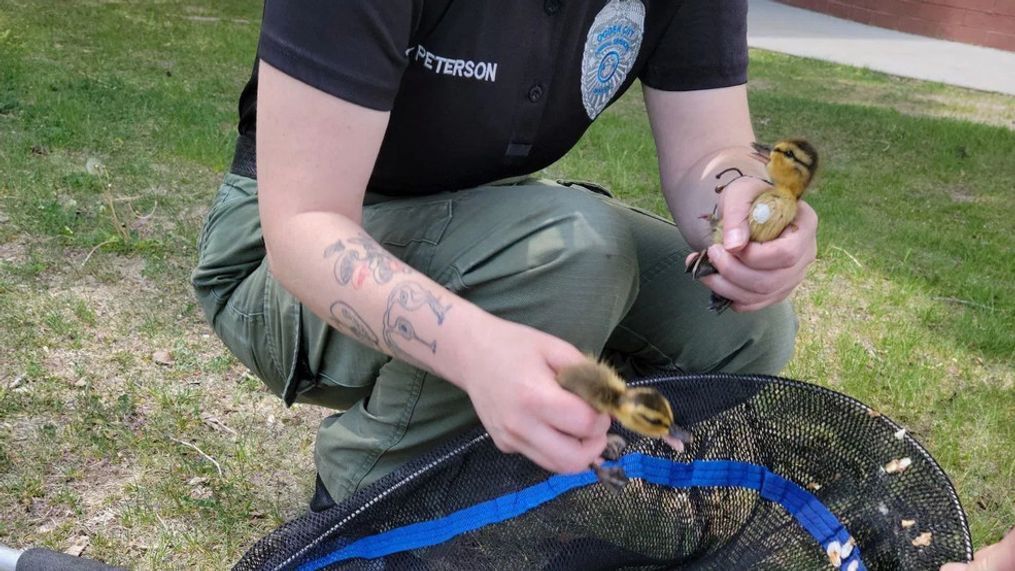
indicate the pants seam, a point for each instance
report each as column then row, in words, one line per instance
column 270, row 337
column 232, row 308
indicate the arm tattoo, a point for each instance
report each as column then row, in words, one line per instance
column 410, row 305
column 355, row 265
column 347, row 320
column 407, row 301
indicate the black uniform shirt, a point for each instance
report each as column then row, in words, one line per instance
column 481, row 90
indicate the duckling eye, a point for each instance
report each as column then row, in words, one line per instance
column 655, row 420
column 789, row 154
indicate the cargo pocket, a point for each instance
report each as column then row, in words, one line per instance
column 409, row 229
column 283, row 328
column 230, row 248
column 240, row 326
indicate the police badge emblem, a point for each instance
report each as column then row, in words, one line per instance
column 610, row 51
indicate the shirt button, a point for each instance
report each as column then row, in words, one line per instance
column 535, row 93
column 551, row 6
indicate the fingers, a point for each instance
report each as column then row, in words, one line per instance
column 554, row 428
column 735, row 207
column 744, row 284
column 525, row 409
column 568, row 413
column 558, row 353
column 744, row 277
column 556, row 451
column 999, row 556
column 762, row 274
column 744, row 299
column 796, row 246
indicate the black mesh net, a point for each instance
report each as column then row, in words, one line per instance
column 828, row 443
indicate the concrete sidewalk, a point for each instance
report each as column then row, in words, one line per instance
column 790, row 30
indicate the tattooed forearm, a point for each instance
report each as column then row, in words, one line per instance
column 412, row 313
column 361, row 258
column 346, row 320
column 410, row 302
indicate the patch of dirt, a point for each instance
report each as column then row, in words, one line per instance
column 101, row 492
column 102, row 481
column 14, row 252
column 62, row 363
column 961, row 193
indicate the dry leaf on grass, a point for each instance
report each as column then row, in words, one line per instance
column 216, row 424
column 164, row 358
column 16, row 382
column 78, row 546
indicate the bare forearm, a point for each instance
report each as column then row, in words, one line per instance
column 699, row 135
column 693, row 194
column 345, row 277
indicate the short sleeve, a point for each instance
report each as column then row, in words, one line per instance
column 704, row 47
column 352, row 49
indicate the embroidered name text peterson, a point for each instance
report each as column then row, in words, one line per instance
column 481, row 70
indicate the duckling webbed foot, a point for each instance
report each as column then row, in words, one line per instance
column 615, row 445
column 613, row 477
column 718, row 303
column 700, row 266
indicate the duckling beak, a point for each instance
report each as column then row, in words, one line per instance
column 678, row 437
column 762, row 152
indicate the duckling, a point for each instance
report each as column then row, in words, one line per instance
column 791, row 166
column 641, row 409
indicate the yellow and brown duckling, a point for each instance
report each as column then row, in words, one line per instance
column 641, row 409
column 791, row 166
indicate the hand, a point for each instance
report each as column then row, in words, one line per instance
column 997, row 557
column 511, row 380
column 755, row 275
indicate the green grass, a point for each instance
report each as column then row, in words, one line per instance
column 910, row 306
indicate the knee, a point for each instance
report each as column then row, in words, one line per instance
column 560, row 235
column 593, row 238
column 565, row 263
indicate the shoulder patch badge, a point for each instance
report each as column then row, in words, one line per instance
column 610, row 50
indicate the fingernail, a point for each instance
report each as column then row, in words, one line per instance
column 734, row 238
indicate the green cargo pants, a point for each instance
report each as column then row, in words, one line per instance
column 564, row 259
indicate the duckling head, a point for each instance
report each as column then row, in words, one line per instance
column 646, row 411
column 792, row 163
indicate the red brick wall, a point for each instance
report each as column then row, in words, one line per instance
column 982, row 22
